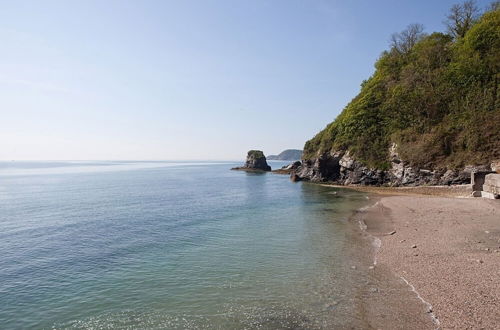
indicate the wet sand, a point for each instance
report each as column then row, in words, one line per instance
column 446, row 191
column 445, row 249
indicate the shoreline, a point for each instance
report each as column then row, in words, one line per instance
column 461, row 191
column 446, row 250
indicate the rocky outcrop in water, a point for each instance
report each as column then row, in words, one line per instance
column 256, row 161
column 340, row 167
column 287, row 169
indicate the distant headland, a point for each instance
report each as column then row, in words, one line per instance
column 288, row 154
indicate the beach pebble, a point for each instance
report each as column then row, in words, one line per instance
column 371, row 267
column 353, row 267
column 402, row 241
column 392, row 232
column 414, row 246
column 479, row 261
column 329, row 306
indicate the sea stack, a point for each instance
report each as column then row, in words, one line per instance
column 256, row 161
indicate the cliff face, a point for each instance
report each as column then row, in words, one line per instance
column 428, row 115
column 340, row 167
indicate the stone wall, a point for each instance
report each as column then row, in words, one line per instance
column 491, row 186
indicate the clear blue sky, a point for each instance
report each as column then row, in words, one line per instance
column 185, row 79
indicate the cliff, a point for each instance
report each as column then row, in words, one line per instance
column 288, row 154
column 430, row 114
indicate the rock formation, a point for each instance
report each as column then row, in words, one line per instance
column 340, row 167
column 287, row 169
column 256, row 161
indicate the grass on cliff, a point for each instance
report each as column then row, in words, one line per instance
column 255, row 154
column 439, row 101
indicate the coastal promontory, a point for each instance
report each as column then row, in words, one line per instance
column 429, row 115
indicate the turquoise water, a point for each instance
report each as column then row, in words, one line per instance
column 172, row 245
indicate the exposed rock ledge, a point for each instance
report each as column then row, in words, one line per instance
column 340, row 167
column 288, row 169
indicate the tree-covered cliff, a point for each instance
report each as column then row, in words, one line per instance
column 436, row 96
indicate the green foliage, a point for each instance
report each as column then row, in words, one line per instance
column 439, row 102
column 255, row 154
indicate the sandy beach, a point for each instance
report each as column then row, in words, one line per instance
column 448, row 250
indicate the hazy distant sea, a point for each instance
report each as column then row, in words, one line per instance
column 172, row 245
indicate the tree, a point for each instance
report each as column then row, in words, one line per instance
column 461, row 18
column 403, row 42
column 495, row 5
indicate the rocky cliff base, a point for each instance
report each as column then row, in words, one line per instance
column 341, row 168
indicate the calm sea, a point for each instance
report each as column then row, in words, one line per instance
column 98, row 245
